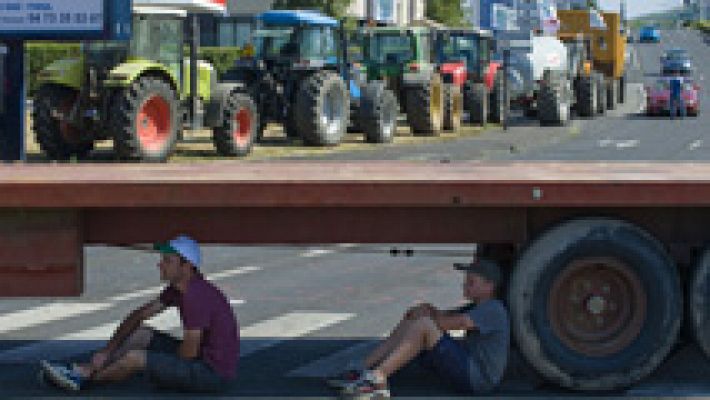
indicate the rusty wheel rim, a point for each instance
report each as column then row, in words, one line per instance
column 597, row 306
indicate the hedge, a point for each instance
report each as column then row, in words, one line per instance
column 40, row 55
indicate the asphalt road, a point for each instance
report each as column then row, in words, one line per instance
column 304, row 311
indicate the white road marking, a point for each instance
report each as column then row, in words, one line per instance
column 315, row 253
column 273, row 331
column 210, row 277
column 47, row 313
column 619, row 144
column 695, row 145
column 85, row 340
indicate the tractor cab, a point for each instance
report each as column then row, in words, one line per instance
column 390, row 52
column 466, row 48
column 157, row 38
column 296, row 40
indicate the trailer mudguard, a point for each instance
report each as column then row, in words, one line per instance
column 489, row 76
column 214, row 108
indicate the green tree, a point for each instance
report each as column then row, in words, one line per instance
column 334, row 8
column 447, row 12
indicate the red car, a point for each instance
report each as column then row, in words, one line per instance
column 658, row 97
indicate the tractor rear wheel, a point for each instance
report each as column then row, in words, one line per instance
column 378, row 113
column 240, row 122
column 596, row 304
column 476, row 103
column 144, row 120
column 453, row 107
column 322, row 109
column 586, row 97
column 498, row 101
column 553, row 100
column 425, row 106
column 58, row 138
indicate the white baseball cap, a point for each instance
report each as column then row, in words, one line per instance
column 184, row 246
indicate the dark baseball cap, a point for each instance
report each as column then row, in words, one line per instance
column 483, row 267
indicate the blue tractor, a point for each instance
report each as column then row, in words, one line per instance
column 299, row 76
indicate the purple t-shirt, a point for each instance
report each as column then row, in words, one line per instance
column 204, row 307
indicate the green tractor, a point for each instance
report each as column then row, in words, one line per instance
column 402, row 58
column 138, row 93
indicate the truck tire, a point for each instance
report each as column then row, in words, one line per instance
column 59, row 140
column 322, row 110
column 586, row 97
column 595, row 304
column 497, row 101
column 700, row 302
column 377, row 116
column 453, row 107
column 476, row 103
column 611, row 94
column 425, row 106
column 240, row 123
column 601, row 94
column 144, row 120
column 553, row 106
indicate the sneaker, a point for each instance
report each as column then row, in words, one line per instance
column 344, row 378
column 368, row 387
column 63, row 376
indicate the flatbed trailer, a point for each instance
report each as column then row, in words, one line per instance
column 601, row 259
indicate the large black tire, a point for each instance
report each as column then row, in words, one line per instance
column 699, row 304
column 290, row 126
column 377, row 116
column 240, row 123
column 476, row 103
column 425, row 106
column 553, row 107
column 152, row 137
column 611, row 94
column 601, row 94
column 586, row 97
column 497, row 101
column 58, row 140
column 622, row 89
column 322, row 110
column 453, row 107
column 595, row 304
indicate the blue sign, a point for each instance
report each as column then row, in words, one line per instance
column 65, row 19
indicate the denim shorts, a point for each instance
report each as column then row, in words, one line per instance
column 169, row 371
column 452, row 361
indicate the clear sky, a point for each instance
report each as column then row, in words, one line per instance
column 639, row 7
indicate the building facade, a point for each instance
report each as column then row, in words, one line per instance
column 398, row 12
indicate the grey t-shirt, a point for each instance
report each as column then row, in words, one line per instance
column 488, row 344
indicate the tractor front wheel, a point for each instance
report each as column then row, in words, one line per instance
column 453, row 107
column 237, row 134
column 144, row 120
column 58, row 138
column 425, row 106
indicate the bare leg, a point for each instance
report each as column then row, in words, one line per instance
column 386, row 346
column 423, row 334
column 132, row 362
column 138, row 340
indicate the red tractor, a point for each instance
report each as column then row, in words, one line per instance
column 472, row 81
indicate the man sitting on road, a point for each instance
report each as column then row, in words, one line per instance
column 204, row 360
column 475, row 366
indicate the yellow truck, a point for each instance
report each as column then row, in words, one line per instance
column 602, row 72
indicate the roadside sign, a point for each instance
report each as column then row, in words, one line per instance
column 194, row 6
column 65, row 19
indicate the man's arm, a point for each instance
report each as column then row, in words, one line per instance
column 190, row 346
column 132, row 322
